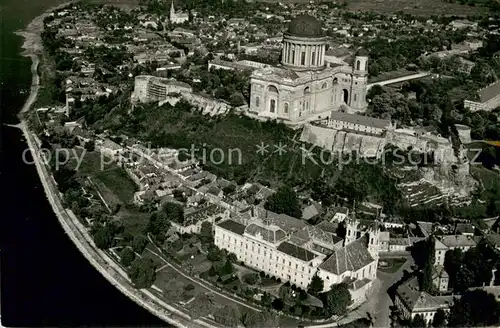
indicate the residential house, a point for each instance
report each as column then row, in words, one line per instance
column 412, row 302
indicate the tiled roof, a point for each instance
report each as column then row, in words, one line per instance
column 296, row 251
column 359, row 119
column 414, row 299
column 352, row 257
column 270, row 234
column 489, row 92
column 458, row 241
column 233, row 226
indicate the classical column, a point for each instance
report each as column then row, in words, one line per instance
column 306, row 60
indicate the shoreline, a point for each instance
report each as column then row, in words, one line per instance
column 78, row 234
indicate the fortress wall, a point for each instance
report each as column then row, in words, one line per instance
column 338, row 147
column 372, row 146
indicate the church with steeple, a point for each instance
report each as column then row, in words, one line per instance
column 177, row 17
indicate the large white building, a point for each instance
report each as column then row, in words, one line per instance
column 292, row 250
column 306, row 86
column 148, row 88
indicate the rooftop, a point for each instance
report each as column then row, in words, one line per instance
column 296, row 251
column 305, row 26
column 352, row 257
column 359, row 119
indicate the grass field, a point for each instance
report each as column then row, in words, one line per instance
column 420, row 8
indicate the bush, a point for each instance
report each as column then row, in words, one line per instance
column 251, row 278
column 127, row 256
column 189, row 287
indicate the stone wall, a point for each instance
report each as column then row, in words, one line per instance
column 339, row 142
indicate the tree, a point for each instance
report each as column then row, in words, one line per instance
column 316, row 286
column 103, row 236
column 474, row 308
column 418, row 322
column 139, row 243
column 227, row 315
column 426, row 281
column 127, row 256
column 284, row 201
column 337, row 299
column 251, row 278
column 142, row 272
column 439, row 318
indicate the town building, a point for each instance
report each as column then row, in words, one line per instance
column 487, row 99
column 358, row 123
column 451, row 242
column 440, row 278
column 412, row 302
column 177, row 17
column 148, row 88
column 294, row 251
column 304, row 88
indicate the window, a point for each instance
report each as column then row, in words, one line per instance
column 257, row 101
column 313, row 58
column 293, row 56
column 272, row 106
column 358, row 65
column 355, row 96
column 285, row 110
column 303, row 58
column 324, row 86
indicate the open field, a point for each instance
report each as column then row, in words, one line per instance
column 420, row 8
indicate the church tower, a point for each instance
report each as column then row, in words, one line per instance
column 351, row 230
column 373, row 240
column 359, row 86
column 172, row 11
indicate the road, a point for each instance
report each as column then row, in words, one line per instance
column 399, row 79
column 383, row 301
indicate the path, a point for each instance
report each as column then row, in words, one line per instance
column 206, row 286
column 399, row 79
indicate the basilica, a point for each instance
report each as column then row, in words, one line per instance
column 307, row 86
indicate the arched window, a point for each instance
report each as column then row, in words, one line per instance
column 285, row 109
column 257, row 101
column 335, row 81
column 358, row 65
column 272, row 107
column 272, row 89
column 307, row 90
column 324, row 86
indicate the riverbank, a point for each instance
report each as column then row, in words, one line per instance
column 73, row 228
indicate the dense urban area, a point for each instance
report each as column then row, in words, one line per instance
column 269, row 164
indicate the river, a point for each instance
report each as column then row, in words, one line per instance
column 44, row 279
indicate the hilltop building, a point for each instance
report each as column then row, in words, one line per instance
column 306, row 86
column 148, row 88
column 488, row 98
column 294, row 251
column 177, row 17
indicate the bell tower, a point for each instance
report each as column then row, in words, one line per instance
column 373, row 240
column 351, row 230
column 359, row 87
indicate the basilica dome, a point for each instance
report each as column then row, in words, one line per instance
column 305, row 26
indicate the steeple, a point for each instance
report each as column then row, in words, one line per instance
column 172, row 9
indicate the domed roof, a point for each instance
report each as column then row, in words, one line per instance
column 305, row 26
column 362, row 52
